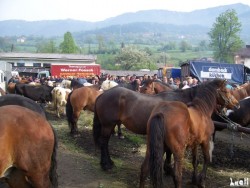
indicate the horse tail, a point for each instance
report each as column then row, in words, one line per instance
column 156, row 142
column 96, row 127
column 69, row 111
column 53, row 176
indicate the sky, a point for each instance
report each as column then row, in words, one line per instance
column 96, row 10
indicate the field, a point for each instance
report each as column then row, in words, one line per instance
column 78, row 159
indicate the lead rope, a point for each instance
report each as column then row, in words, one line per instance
column 233, row 127
column 232, row 144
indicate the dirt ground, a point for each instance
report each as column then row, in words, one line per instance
column 78, row 160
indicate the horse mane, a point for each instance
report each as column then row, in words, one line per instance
column 147, row 82
column 206, row 94
column 161, row 85
column 160, row 82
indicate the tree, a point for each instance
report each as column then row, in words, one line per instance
column 47, row 47
column 101, row 45
column 184, row 46
column 68, row 45
column 224, row 36
column 89, row 40
column 202, row 45
column 131, row 58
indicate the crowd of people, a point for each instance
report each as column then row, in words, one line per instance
column 175, row 83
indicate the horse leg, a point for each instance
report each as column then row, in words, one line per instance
column 144, row 170
column 120, row 131
column 4, row 183
column 207, row 151
column 58, row 111
column 40, row 180
column 167, row 164
column 106, row 161
column 195, row 164
column 16, row 178
column 74, row 128
column 178, row 158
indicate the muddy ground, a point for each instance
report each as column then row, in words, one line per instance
column 78, row 160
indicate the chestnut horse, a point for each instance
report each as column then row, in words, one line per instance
column 173, row 126
column 241, row 92
column 239, row 116
column 132, row 109
column 154, row 86
column 28, row 143
column 79, row 99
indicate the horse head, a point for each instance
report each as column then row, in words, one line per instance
column 225, row 98
column 148, row 87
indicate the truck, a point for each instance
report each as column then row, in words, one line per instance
column 83, row 70
column 169, row 72
column 205, row 70
column 5, row 74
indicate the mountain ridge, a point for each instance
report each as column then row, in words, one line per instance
column 201, row 18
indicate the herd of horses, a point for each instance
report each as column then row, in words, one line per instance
column 173, row 121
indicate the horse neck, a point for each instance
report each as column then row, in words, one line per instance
column 240, row 94
column 247, row 89
column 205, row 101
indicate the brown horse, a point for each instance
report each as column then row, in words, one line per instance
column 241, row 92
column 154, row 87
column 14, row 178
column 28, row 143
column 79, row 99
column 173, row 126
column 11, row 87
column 132, row 109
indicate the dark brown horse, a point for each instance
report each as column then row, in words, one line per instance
column 132, row 109
column 173, row 126
column 14, row 178
column 28, row 143
column 154, row 87
column 79, row 99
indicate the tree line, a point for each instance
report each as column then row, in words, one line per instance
column 224, row 42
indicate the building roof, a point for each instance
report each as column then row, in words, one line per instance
column 14, row 55
column 30, row 70
column 244, row 52
column 131, row 73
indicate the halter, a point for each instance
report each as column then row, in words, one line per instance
column 226, row 99
column 231, row 126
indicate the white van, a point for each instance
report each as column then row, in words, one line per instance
column 2, row 80
column 42, row 74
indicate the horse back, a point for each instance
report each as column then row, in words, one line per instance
column 13, row 99
column 126, row 106
column 84, row 97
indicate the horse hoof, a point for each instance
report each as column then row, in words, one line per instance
column 121, row 137
column 168, row 171
column 107, row 167
column 194, row 180
column 75, row 135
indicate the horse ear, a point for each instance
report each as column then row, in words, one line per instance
column 224, row 82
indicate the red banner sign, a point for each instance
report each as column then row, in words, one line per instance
column 75, row 70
